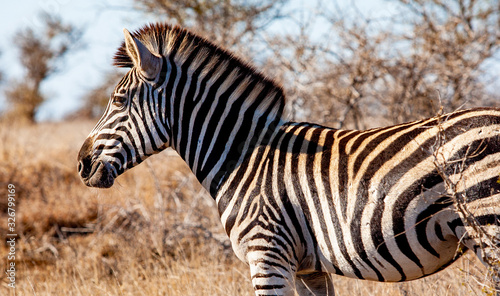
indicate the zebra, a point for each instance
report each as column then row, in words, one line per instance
column 300, row 201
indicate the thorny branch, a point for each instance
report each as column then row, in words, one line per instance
column 489, row 244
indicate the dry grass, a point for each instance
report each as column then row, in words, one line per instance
column 156, row 232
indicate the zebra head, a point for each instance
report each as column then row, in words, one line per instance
column 131, row 128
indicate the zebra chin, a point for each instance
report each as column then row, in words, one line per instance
column 99, row 174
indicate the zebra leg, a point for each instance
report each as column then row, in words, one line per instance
column 271, row 276
column 317, row 284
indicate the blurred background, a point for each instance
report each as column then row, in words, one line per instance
column 346, row 64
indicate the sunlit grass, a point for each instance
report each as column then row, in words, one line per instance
column 156, row 232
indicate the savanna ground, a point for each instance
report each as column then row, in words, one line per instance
column 156, row 232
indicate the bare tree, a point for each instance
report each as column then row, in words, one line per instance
column 227, row 22
column 391, row 69
column 40, row 53
column 449, row 42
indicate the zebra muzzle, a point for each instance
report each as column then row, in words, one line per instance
column 94, row 173
column 97, row 174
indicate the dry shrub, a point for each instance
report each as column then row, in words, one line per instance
column 43, row 172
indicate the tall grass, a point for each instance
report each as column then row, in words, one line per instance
column 156, row 232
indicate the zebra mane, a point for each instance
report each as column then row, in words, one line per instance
column 163, row 39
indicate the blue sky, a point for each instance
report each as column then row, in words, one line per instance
column 102, row 21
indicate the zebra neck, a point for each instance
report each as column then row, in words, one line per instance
column 215, row 139
column 217, row 108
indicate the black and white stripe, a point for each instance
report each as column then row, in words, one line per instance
column 299, row 200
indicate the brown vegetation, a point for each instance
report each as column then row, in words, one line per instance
column 156, row 232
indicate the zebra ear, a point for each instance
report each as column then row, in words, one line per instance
column 149, row 63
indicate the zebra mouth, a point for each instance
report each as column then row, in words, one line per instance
column 99, row 174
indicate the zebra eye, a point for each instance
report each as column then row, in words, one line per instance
column 119, row 101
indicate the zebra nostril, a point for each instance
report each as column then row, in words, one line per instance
column 84, row 167
column 80, row 167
